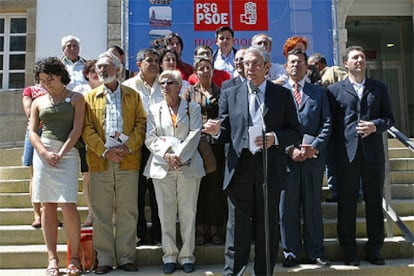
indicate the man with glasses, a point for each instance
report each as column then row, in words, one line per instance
column 224, row 56
column 240, row 76
column 243, row 176
column 147, row 86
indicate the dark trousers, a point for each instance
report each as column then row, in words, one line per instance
column 144, row 185
column 349, row 176
column 303, row 190
column 245, row 211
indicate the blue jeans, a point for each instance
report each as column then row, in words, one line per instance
column 27, row 158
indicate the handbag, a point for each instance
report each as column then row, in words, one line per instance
column 87, row 253
column 207, row 154
column 205, row 150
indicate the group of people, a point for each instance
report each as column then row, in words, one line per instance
column 267, row 124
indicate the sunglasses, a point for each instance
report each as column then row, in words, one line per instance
column 167, row 83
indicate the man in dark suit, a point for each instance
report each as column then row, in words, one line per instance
column 239, row 63
column 243, row 178
column 361, row 112
column 305, row 167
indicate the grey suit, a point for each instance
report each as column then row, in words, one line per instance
column 305, row 178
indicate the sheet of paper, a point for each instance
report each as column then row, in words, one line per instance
column 115, row 139
column 307, row 139
column 254, row 131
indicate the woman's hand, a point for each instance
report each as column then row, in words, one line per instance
column 173, row 161
column 52, row 158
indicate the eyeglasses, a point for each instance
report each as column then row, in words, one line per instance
column 253, row 64
column 167, row 83
column 49, row 79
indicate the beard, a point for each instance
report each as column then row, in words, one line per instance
column 107, row 79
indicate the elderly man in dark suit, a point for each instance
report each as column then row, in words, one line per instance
column 305, row 167
column 361, row 112
column 243, row 179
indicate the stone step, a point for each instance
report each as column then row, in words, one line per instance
column 402, row 191
column 34, row 256
column 402, row 164
column 14, row 172
column 22, row 200
column 11, row 156
column 25, row 234
column 22, row 185
column 400, row 267
column 402, row 177
column 400, row 152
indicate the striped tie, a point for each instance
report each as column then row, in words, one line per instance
column 296, row 92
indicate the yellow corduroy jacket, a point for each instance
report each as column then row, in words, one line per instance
column 134, row 120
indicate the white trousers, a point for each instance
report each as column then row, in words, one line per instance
column 177, row 194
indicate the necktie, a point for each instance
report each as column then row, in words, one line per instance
column 296, row 93
column 254, row 106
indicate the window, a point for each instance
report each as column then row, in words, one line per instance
column 12, row 51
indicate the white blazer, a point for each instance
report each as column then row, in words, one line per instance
column 183, row 140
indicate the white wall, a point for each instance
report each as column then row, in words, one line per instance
column 85, row 19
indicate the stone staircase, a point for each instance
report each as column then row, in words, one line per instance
column 22, row 250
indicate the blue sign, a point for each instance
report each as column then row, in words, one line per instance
column 196, row 20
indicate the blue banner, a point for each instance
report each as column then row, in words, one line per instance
column 196, row 20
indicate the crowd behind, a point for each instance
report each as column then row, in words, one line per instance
column 141, row 136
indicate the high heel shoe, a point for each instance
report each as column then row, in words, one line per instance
column 73, row 267
column 53, row 267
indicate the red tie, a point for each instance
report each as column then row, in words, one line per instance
column 296, row 92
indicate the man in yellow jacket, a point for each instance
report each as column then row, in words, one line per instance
column 114, row 131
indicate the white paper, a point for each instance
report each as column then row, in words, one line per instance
column 115, row 139
column 254, row 132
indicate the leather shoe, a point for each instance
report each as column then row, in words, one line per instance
column 129, row 267
column 169, row 268
column 332, row 199
column 102, row 269
column 188, row 267
column 290, row 261
column 352, row 261
column 321, row 261
column 376, row 259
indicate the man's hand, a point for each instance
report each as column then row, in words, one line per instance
column 308, row 151
column 270, row 140
column 211, row 127
column 365, row 128
column 117, row 154
column 296, row 155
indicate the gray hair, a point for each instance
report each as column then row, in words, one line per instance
column 115, row 60
column 262, row 34
column 259, row 50
column 144, row 52
column 68, row 38
column 174, row 74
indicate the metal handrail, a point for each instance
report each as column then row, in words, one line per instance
column 392, row 216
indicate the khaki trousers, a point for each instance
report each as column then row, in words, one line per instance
column 175, row 193
column 114, row 243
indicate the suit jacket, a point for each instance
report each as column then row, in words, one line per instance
column 231, row 82
column 347, row 110
column 134, row 119
column 279, row 116
column 314, row 115
column 183, row 140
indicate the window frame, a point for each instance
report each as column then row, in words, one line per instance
column 6, row 53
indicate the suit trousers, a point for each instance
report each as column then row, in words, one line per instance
column 349, row 175
column 176, row 193
column 119, row 243
column 303, row 190
column 245, row 213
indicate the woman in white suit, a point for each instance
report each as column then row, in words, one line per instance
column 173, row 133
